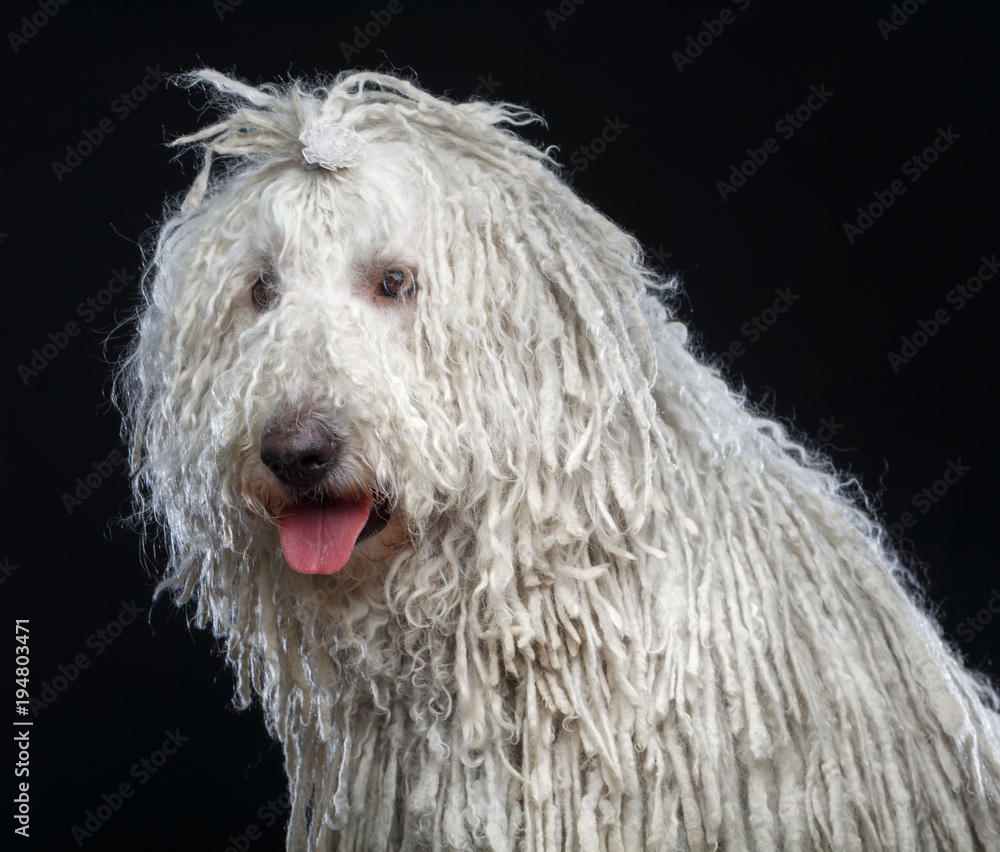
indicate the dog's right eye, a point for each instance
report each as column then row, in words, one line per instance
column 396, row 283
column 263, row 293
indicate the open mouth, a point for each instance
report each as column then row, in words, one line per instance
column 319, row 535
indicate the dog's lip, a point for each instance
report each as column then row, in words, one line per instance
column 378, row 518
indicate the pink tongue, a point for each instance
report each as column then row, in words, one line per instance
column 317, row 538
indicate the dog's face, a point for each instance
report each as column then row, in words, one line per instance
column 345, row 346
column 321, row 294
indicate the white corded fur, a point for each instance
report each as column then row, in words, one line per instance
column 631, row 613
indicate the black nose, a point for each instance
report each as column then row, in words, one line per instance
column 298, row 452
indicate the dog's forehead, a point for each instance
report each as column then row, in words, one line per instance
column 377, row 207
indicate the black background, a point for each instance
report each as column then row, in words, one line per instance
column 825, row 359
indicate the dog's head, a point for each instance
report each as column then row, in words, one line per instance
column 386, row 318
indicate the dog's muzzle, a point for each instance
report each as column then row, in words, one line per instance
column 329, row 510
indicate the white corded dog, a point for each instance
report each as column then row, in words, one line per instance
column 508, row 565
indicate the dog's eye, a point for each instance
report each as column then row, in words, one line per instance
column 263, row 292
column 396, row 283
